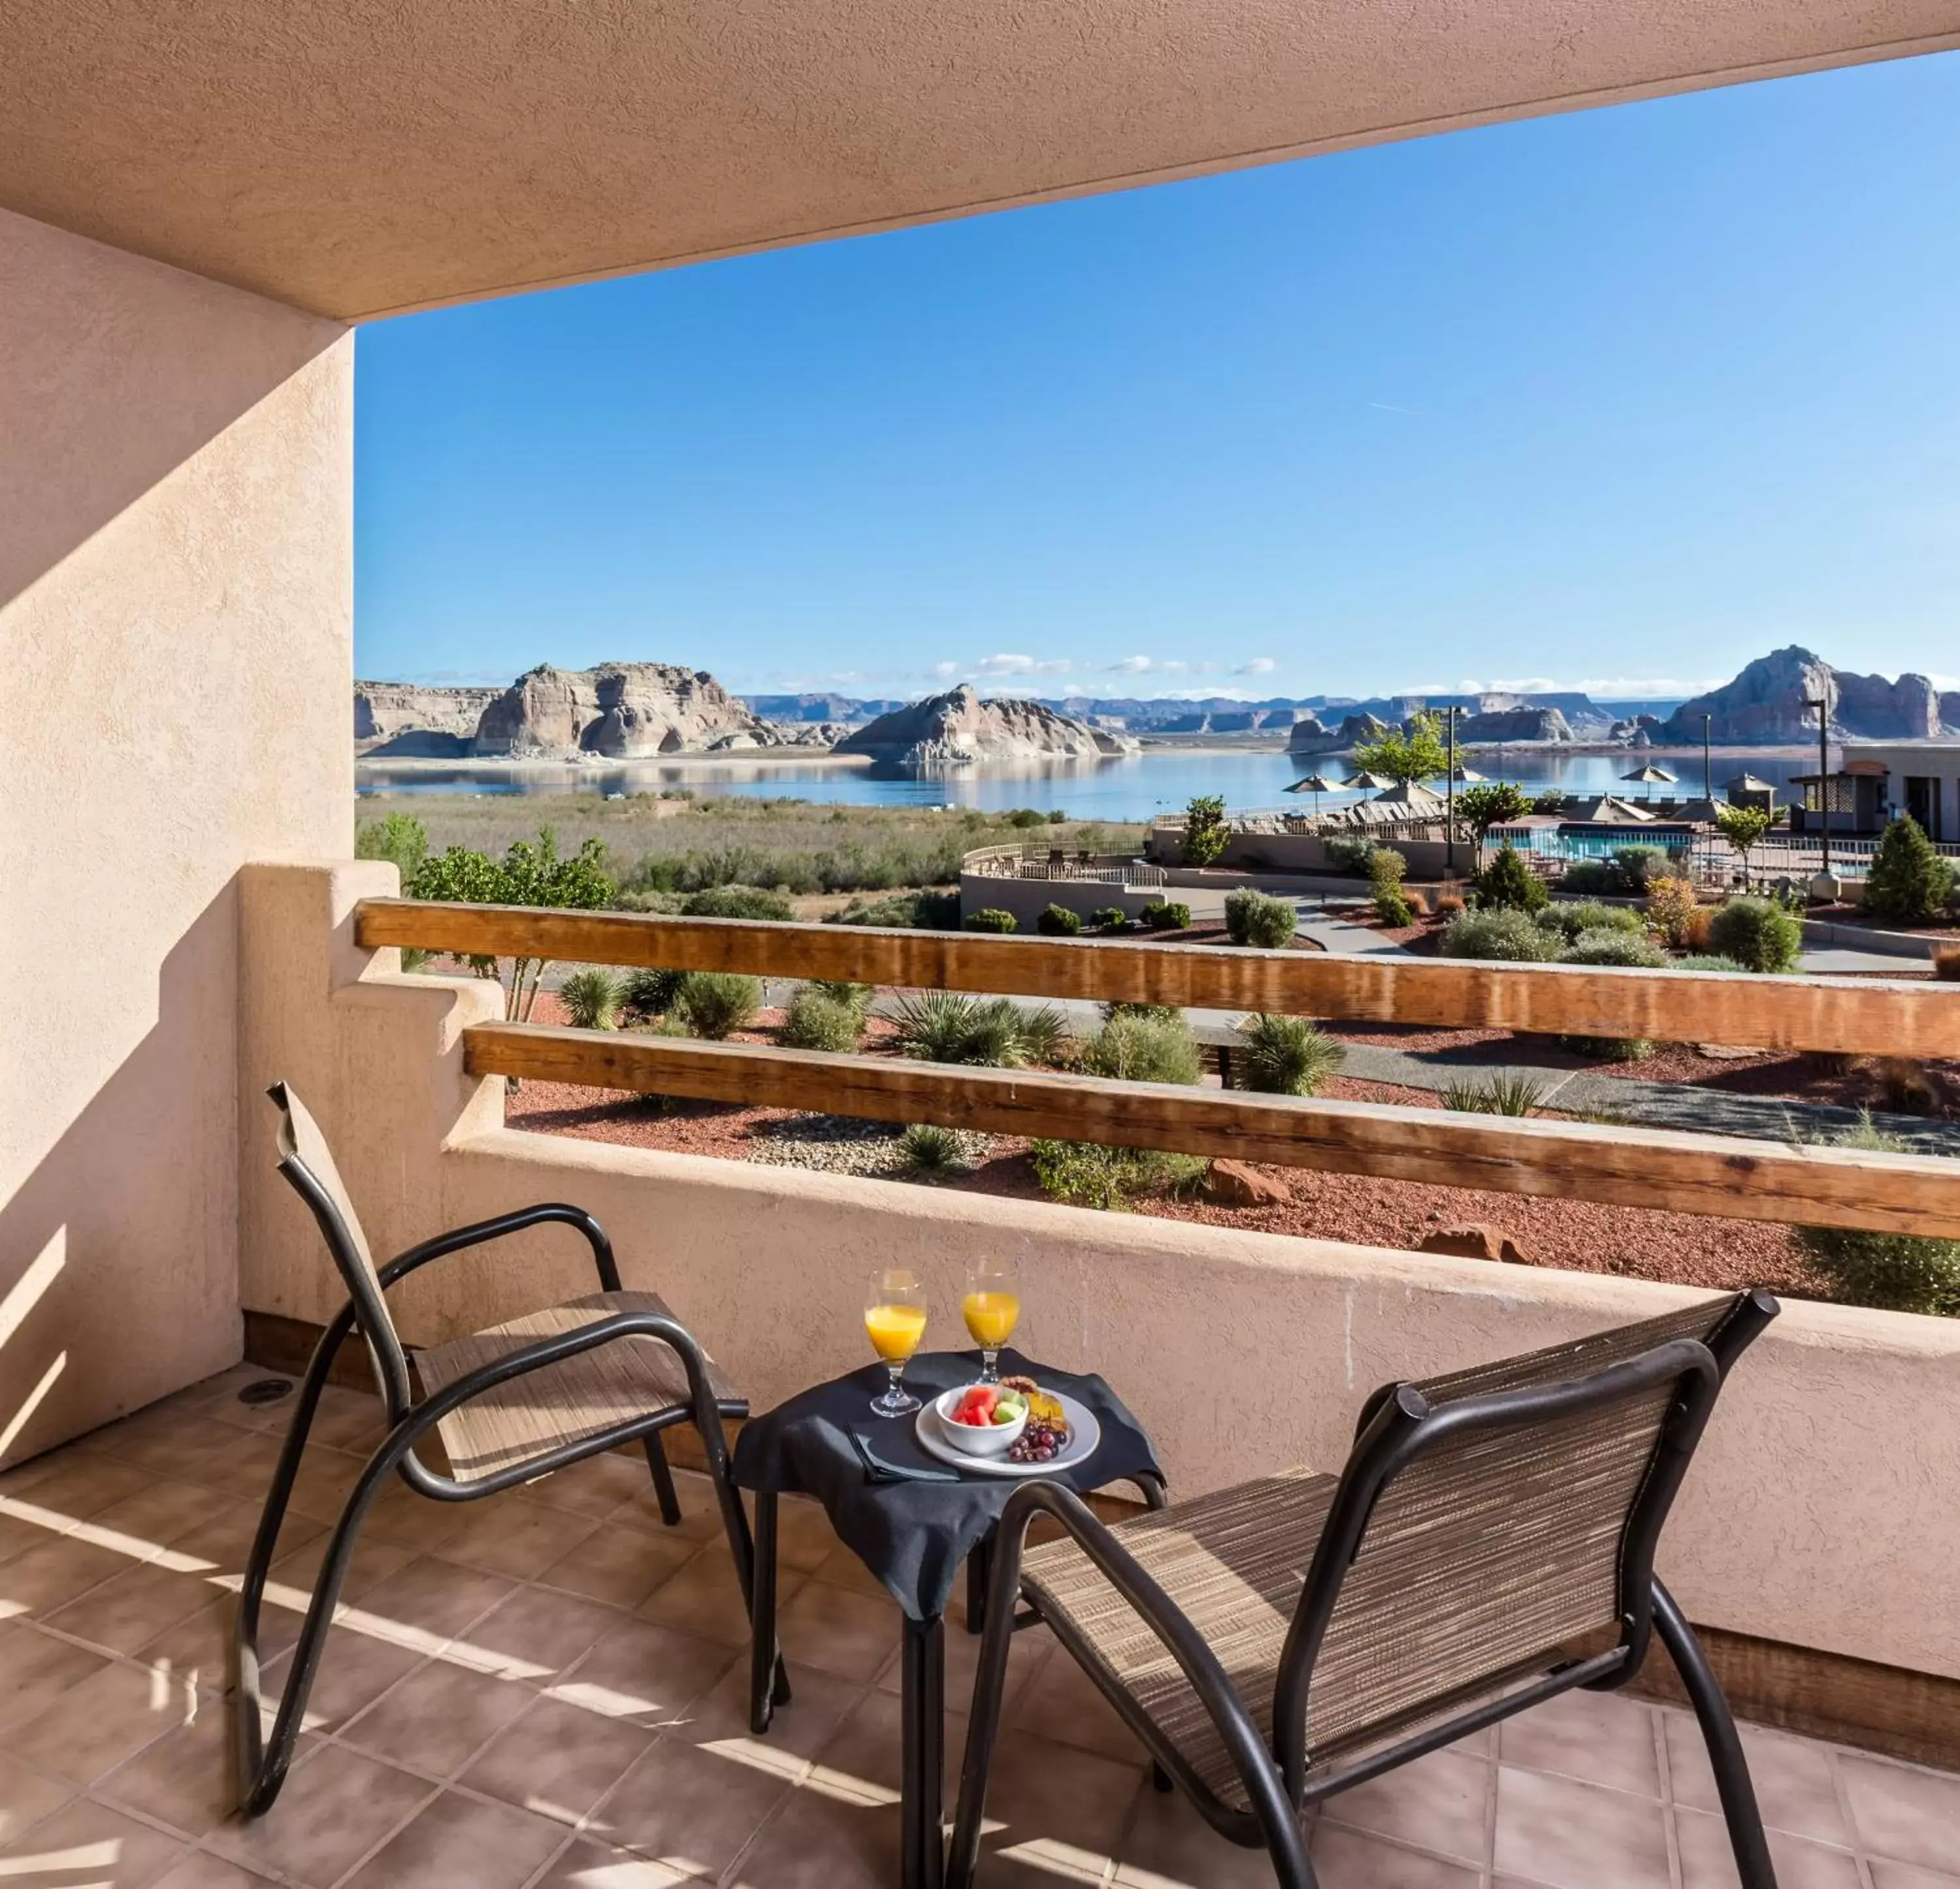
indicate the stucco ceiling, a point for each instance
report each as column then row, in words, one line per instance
column 358, row 157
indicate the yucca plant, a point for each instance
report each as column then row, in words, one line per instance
column 947, row 1026
column 649, row 992
column 1510, row 1093
column 590, row 999
column 715, row 1004
column 931, row 1149
column 857, row 997
column 1285, row 1056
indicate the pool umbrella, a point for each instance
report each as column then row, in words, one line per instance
column 1364, row 779
column 1648, row 775
column 1317, row 784
column 1461, row 773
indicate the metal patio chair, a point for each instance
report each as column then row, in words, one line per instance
column 1489, row 1545
column 509, row 1405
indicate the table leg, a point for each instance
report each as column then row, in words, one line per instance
column 922, row 1861
column 763, row 1617
column 977, row 1562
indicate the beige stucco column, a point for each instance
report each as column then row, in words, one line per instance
column 175, row 512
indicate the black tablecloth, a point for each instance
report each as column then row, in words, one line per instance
column 914, row 1535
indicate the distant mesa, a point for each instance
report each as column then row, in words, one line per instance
column 959, row 728
column 410, row 720
column 1765, row 703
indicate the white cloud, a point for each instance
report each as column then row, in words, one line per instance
column 1131, row 666
column 1258, row 666
column 1610, row 688
column 946, row 671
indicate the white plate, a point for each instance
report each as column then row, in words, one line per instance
column 1084, row 1435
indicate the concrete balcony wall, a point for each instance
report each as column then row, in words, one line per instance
column 176, row 499
column 1819, row 1513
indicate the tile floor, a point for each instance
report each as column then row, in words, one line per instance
column 547, row 1689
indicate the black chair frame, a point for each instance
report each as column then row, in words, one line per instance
column 263, row 1761
column 1396, row 1426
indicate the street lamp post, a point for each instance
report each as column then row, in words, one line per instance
column 1449, row 798
column 1822, row 704
column 1707, row 765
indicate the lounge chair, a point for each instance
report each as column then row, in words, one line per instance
column 509, row 1405
column 1489, row 1545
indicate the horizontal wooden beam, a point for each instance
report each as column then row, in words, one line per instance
column 1625, row 1167
column 1852, row 1015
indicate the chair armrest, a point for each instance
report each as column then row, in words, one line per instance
column 500, row 1227
column 1141, row 1593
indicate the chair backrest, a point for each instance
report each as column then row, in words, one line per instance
column 308, row 1163
column 1492, row 1519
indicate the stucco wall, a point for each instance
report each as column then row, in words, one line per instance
column 175, row 510
column 1819, row 1511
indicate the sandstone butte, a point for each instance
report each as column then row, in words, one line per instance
column 959, row 727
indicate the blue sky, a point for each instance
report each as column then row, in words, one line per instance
column 1616, row 400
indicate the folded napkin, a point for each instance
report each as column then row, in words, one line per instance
column 877, row 1470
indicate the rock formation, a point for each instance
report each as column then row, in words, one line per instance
column 407, row 718
column 958, row 728
column 1311, row 736
column 1765, row 703
column 624, row 711
column 1514, row 724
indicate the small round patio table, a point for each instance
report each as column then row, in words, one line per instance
column 912, row 1521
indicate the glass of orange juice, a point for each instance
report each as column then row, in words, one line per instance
column 895, row 1321
column 992, row 1309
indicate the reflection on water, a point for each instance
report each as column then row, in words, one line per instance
column 1132, row 787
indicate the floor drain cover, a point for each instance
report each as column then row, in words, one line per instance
column 267, row 1391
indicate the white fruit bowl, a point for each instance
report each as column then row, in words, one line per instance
column 995, row 1439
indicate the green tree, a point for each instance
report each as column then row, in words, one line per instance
column 1414, row 751
column 1490, row 803
column 1205, row 832
column 1509, row 883
column 399, row 837
column 1743, row 827
column 1908, row 882
column 531, row 873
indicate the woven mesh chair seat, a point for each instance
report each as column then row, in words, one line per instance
column 563, row 1403
column 1485, row 1562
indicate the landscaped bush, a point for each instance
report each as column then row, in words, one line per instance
column 590, row 999
column 665, row 903
column 1908, row 882
column 1206, row 834
column 1057, row 921
column 1638, row 866
column 931, row 1149
column 1449, row 902
column 947, row 1026
column 1758, row 933
column 1591, row 879
column 1908, row 1089
column 925, row 911
column 399, row 837
column 1257, row 918
column 1111, row 1011
column 1510, row 1093
column 1612, row 944
column 1144, row 1049
column 715, row 1004
column 1504, row 933
column 1508, row 882
column 1285, row 1056
column 1349, row 852
column 1705, row 960
column 992, row 919
column 816, row 1021
column 1673, row 911
column 649, row 992
column 738, row 901
column 1891, row 1272
column 1610, row 1049
column 1110, row 918
column 1393, row 906
column 1087, row 1174
column 1162, row 915
column 1386, row 867
column 1569, row 917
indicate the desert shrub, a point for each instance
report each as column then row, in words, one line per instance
column 1111, row 1011
column 1907, row 882
column 1144, row 1049
column 947, row 1026
column 925, row 911
column 1946, row 964
column 1591, row 879
column 738, row 901
column 591, row 999
column 1110, row 918
column 1449, row 902
column 1908, row 1089
column 1672, row 910
column 931, row 1149
column 814, row 1021
column 715, row 1004
column 649, row 992
column 1087, row 1174
column 1027, row 817
column 1509, row 883
column 1891, row 1272
column 1638, row 866
column 1511, row 1092
column 1386, row 867
column 1206, row 834
column 1285, row 1056
column 992, row 919
column 1349, row 852
column 1705, row 960
column 1057, row 921
column 1044, row 1035
column 1700, row 922
column 1165, row 915
column 1393, row 909
column 399, row 837
column 1758, row 933
column 665, row 903
column 1416, row 899
column 1566, row 918
column 1611, row 945
column 1257, row 918
column 1610, row 1049
column 1503, row 934
column 841, row 991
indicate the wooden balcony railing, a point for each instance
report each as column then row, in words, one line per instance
column 1722, row 1175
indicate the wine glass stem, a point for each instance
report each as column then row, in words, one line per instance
column 990, row 1364
column 897, row 1368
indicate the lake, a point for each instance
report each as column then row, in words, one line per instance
column 1133, row 787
